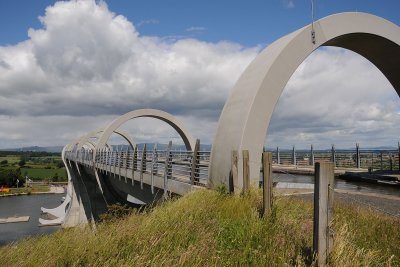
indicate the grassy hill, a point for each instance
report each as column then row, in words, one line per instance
column 208, row 228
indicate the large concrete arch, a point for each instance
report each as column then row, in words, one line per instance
column 149, row 113
column 247, row 112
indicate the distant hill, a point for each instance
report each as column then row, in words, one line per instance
column 50, row 149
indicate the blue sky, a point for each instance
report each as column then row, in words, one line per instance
column 86, row 62
column 250, row 23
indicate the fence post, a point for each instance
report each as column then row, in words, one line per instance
column 358, row 159
column 246, row 170
column 381, row 160
column 267, row 182
column 323, row 211
column 142, row 166
column 234, row 171
column 278, row 156
column 333, row 155
column 390, row 161
column 195, row 163
column 312, row 159
column 166, row 170
column 294, row 156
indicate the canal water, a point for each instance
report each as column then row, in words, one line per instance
column 30, row 205
column 27, row 205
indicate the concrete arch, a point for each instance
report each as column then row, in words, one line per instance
column 148, row 113
column 84, row 139
column 247, row 112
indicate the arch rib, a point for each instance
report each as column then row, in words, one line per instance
column 187, row 138
column 247, row 112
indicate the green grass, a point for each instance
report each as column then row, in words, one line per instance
column 207, row 228
column 42, row 173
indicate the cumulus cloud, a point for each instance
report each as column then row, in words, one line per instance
column 336, row 96
column 88, row 61
column 88, row 65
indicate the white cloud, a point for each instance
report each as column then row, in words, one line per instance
column 195, row 29
column 88, row 65
column 88, row 62
column 336, row 96
column 288, row 3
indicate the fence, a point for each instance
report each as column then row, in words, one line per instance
column 344, row 158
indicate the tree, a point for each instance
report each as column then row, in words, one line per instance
column 4, row 162
column 9, row 176
column 22, row 163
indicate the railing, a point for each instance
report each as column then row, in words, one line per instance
column 185, row 166
column 343, row 158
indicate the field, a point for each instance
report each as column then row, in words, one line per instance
column 209, row 228
column 16, row 165
column 43, row 174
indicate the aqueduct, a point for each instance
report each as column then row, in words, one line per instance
column 242, row 125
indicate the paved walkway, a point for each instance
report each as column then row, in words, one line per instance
column 380, row 202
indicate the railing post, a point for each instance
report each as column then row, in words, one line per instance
column 135, row 158
column 312, row 158
column 333, row 155
column 294, row 162
column 120, row 161
column 278, row 156
column 323, row 211
column 126, row 163
column 115, row 161
column 390, row 161
column 134, row 164
column 195, row 163
column 267, row 182
column 168, row 162
column 246, row 171
column 153, row 166
column 398, row 151
column 107, row 161
column 358, row 159
column 142, row 166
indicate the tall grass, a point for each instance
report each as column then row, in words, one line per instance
column 207, row 228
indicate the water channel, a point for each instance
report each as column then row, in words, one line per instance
column 30, row 205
